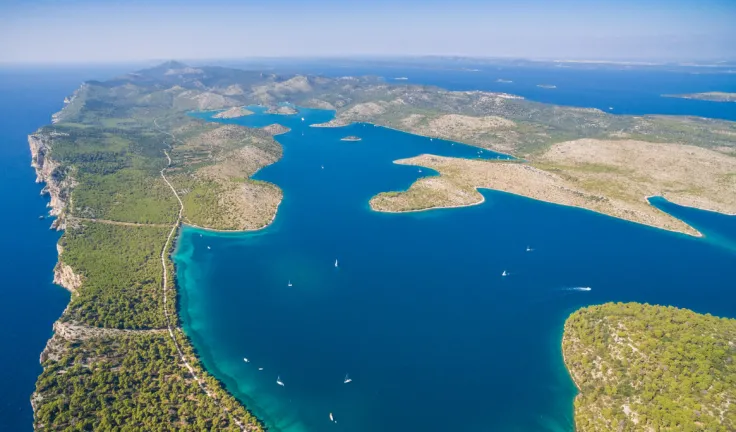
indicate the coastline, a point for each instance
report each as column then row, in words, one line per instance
column 59, row 192
column 695, row 232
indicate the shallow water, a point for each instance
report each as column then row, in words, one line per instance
column 417, row 312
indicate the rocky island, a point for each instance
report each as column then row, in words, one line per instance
column 350, row 138
column 707, row 96
column 125, row 166
column 235, row 112
column 282, row 110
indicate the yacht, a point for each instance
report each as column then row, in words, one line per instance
column 260, row 368
column 289, row 283
column 278, row 381
column 332, row 419
column 209, row 247
column 347, row 379
column 504, row 273
column 246, row 360
column 335, row 263
column 528, row 249
column 302, row 118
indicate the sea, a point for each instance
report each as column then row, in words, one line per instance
column 411, row 308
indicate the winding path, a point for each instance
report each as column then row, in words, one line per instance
column 170, row 327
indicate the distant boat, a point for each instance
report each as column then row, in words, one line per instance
column 347, row 379
column 323, row 167
column 610, row 108
column 528, row 249
column 504, row 273
column 420, row 170
column 279, row 382
column 302, row 118
column 430, row 139
column 335, row 263
column 209, row 247
column 260, row 368
column 289, row 283
column 332, row 419
column 246, row 360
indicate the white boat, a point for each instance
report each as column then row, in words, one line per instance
column 420, row 170
column 610, row 108
column 504, row 273
column 430, row 139
column 260, row 368
column 347, row 379
column 302, row 118
column 289, row 283
column 528, row 249
column 246, row 360
column 323, row 167
column 279, row 382
column 209, row 247
column 332, row 419
column 335, row 263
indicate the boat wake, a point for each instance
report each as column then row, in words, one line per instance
column 577, row 289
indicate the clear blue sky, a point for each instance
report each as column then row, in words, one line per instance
column 54, row 31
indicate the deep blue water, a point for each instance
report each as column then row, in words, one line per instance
column 417, row 312
column 439, row 239
column 30, row 302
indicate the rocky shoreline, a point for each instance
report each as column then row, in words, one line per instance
column 58, row 182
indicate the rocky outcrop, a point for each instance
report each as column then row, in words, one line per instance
column 64, row 275
column 59, row 182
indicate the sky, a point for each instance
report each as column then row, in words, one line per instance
column 69, row 31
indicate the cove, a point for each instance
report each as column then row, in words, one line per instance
column 417, row 312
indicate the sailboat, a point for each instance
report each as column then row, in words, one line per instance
column 335, row 263
column 347, row 379
column 278, row 381
column 504, row 273
column 289, row 283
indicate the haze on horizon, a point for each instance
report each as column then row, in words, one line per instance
column 74, row 31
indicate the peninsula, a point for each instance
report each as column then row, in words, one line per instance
column 641, row 367
column 235, row 112
column 125, row 166
column 707, row 96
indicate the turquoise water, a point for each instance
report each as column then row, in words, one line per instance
column 417, row 313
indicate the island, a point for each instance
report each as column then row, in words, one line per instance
column 640, row 367
column 547, row 86
column 235, row 112
column 282, row 110
column 125, row 166
column 706, row 96
column 351, row 138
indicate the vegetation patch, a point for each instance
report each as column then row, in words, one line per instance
column 640, row 367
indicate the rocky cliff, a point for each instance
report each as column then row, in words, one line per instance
column 59, row 182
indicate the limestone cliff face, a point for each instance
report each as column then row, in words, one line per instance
column 58, row 181
column 64, row 275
